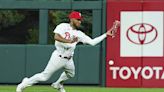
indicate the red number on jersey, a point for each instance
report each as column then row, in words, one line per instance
column 67, row 35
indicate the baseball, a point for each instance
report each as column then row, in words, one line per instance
column 111, row 62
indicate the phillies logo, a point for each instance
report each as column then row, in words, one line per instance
column 67, row 35
column 141, row 33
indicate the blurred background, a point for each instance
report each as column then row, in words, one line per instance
column 22, row 26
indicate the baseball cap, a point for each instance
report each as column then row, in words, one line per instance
column 75, row 14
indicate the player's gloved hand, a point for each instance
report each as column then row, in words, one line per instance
column 75, row 39
column 112, row 31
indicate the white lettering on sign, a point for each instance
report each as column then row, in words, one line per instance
column 145, row 72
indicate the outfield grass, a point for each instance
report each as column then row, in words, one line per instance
column 37, row 88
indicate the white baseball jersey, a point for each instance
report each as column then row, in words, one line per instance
column 67, row 32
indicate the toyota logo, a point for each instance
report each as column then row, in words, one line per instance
column 141, row 33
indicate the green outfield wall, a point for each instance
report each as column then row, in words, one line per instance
column 19, row 61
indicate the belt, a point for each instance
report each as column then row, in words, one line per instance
column 68, row 58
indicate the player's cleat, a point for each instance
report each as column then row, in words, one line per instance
column 59, row 87
column 20, row 87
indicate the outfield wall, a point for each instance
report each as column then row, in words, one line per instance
column 19, row 61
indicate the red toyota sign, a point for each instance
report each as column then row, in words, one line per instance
column 135, row 57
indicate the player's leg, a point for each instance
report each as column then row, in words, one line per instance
column 53, row 65
column 69, row 72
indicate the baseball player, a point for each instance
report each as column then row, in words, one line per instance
column 66, row 38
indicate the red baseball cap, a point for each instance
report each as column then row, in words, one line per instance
column 75, row 14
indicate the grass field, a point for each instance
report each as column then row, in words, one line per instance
column 37, row 88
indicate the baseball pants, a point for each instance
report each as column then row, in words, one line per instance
column 55, row 63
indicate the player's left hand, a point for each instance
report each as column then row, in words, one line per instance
column 112, row 31
column 75, row 39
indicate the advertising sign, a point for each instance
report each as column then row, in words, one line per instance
column 135, row 57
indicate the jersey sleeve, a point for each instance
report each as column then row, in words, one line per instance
column 83, row 37
column 59, row 29
column 87, row 40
